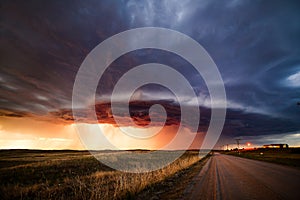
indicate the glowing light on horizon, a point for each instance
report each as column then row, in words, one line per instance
column 26, row 133
column 107, row 136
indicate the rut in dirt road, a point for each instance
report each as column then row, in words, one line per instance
column 229, row 177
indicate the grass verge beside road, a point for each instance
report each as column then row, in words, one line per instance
column 290, row 156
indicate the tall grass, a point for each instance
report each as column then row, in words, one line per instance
column 97, row 185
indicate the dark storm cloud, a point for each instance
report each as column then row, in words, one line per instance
column 256, row 47
column 238, row 123
column 43, row 45
column 255, row 44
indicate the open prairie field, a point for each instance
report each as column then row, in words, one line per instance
column 33, row 174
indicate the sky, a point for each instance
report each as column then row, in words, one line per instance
column 255, row 45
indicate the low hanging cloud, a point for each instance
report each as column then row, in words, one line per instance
column 238, row 123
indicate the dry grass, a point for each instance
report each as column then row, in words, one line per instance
column 290, row 157
column 81, row 177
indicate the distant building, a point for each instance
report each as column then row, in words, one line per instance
column 278, row 146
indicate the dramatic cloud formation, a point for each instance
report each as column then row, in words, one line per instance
column 255, row 44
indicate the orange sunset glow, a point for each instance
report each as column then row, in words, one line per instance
column 27, row 133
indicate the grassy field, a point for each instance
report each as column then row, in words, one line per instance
column 290, row 157
column 30, row 174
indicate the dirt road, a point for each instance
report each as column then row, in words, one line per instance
column 229, row 177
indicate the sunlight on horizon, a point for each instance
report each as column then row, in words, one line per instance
column 27, row 133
